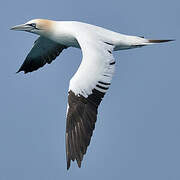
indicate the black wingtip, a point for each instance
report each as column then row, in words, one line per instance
column 18, row 71
column 25, row 72
column 79, row 163
column 68, row 164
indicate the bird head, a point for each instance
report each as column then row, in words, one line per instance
column 37, row 26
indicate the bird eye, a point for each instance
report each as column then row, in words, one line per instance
column 33, row 25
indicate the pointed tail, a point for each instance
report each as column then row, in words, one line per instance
column 153, row 41
column 150, row 41
column 130, row 42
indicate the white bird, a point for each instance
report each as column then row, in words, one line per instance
column 93, row 77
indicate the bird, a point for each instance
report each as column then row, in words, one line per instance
column 93, row 78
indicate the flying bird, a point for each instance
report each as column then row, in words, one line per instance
column 93, row 77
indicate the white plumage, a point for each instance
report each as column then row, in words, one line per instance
column 93, row 77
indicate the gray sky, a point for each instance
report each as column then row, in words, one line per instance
column 138, row 129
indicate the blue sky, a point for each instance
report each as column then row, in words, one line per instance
column 138, row 129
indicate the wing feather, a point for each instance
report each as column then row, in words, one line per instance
column 44, row 51
column 87, row 89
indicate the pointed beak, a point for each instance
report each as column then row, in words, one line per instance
column 22, row 27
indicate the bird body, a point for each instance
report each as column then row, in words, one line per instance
column 93, row 77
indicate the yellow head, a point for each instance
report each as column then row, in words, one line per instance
column 37, row 26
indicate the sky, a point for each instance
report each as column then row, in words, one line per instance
column 138, row 128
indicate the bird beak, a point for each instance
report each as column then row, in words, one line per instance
column 22, row 27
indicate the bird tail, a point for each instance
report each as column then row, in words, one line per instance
column 144, row 42
column 135, row 42
column 155, row 41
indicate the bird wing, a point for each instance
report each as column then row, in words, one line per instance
column 44, row 51
column 87, row 88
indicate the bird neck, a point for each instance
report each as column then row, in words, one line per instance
column 62, row 32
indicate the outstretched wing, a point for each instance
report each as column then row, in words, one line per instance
column 44, row 51
column 87, row 88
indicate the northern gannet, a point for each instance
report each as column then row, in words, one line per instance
column 93, row 77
